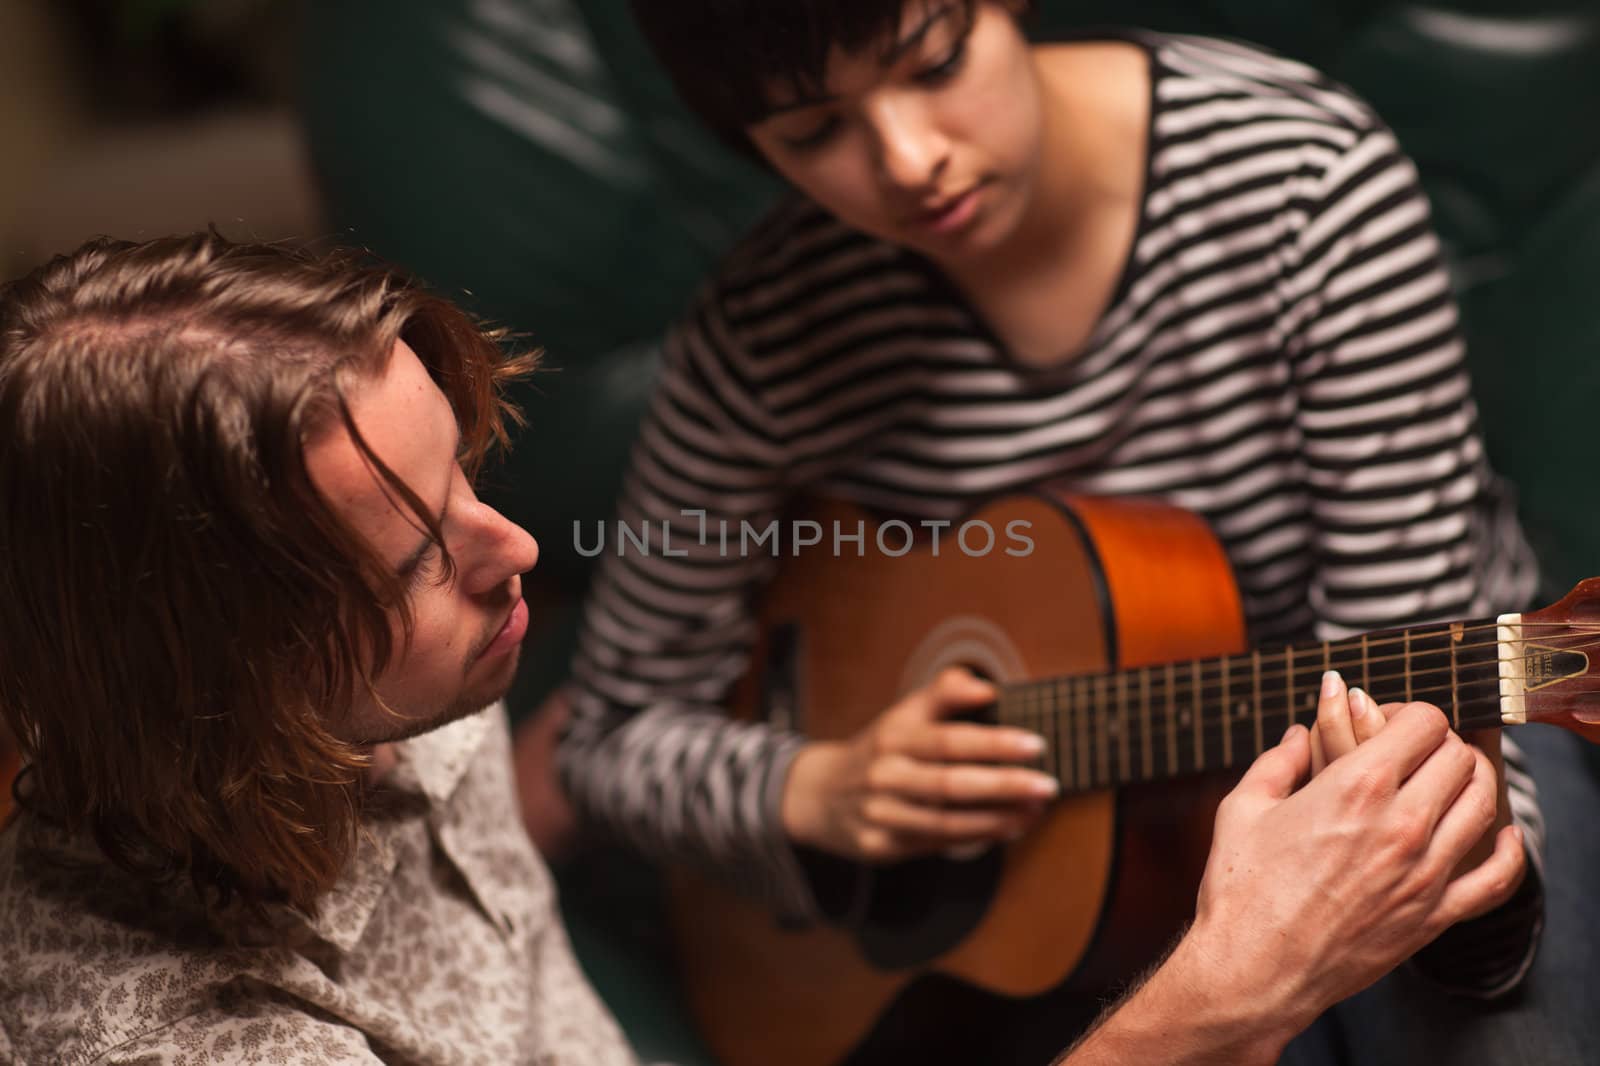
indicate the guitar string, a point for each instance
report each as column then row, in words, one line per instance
column 1037, row 702
column 1108, row 767
column 1241, row 664
column 1107, row 730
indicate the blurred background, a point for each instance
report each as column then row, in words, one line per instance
column 526, row 157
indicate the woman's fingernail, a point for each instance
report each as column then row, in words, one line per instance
column 1046, row 787
column 1330, row 684
column 1287, row 733
column 1030, row 744
column 1358, row 703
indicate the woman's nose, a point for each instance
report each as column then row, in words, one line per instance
column 911, row 149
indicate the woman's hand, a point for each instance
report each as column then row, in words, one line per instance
column 912, row 783
column 1347, row 718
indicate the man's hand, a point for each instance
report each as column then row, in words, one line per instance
column 1311, row 895
column 1348, row 717
column 1315, row 890
column 913, row 783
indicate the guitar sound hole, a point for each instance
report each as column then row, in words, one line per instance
column 921, row 909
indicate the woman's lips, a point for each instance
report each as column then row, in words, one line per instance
column 953, row 214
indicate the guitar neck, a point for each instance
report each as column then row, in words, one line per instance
column 1160, row 722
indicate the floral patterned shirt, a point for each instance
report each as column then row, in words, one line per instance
column 441, row 944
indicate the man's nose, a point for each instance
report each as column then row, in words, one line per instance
column 499, row 550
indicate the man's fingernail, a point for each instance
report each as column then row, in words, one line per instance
column 1287, row 733
column 1330, row 684
column 1047, row 787
column 1031, row 744
column 1358, row 703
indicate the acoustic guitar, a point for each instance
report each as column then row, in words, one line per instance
column 1119, row 637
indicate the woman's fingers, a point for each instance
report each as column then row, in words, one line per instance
column 1365, row 717
column 959, row 783
column 1334, row 724
column 964, row 742
column 946, row 825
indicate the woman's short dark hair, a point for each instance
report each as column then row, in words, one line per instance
column 725, row 56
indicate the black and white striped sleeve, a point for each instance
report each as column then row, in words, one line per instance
column 1410, row 525
column 650, row 756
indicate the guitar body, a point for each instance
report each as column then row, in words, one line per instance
column 1088, row 898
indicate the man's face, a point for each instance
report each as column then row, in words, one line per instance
column 468, row 630
column 936, row 149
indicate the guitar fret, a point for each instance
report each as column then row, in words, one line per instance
column 1194, row 711
column 1406, row 652
column 1227, row 708
column 1455, row 678
column 1144, row 719
column 1366, row 666
column 1121, row 723
column 1288, row 690
column 1347, row 661
column 1101, row 738
column 1037, row 698
column 1079, row 690
column 1172, row 723
column 1069, row 779
column 1255, row 693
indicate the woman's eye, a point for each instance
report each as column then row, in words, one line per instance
column 947, row 68
column 816, row 137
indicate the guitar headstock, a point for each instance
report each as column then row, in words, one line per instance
column 1560, row 661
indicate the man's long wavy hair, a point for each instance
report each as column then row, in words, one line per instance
column 184, row 616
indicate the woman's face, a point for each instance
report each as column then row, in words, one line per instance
column 932, row 142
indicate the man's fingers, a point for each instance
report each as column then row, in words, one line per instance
column 959, row 783
column 1334, row 727
column 1279, row 770
column 1401, row 746
column 1469, row 813
column 1491, row 883
column 1435, row 789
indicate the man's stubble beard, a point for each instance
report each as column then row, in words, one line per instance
column 402, row 725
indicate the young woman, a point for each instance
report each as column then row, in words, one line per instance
column 1131, row 264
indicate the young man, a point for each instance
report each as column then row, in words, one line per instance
column 257, row 624
column 1125, row 265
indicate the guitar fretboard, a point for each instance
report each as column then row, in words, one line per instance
column 1160, row 722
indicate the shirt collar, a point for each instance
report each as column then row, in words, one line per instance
column 430, row 767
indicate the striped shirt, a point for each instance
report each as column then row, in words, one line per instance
column 1281, row 355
